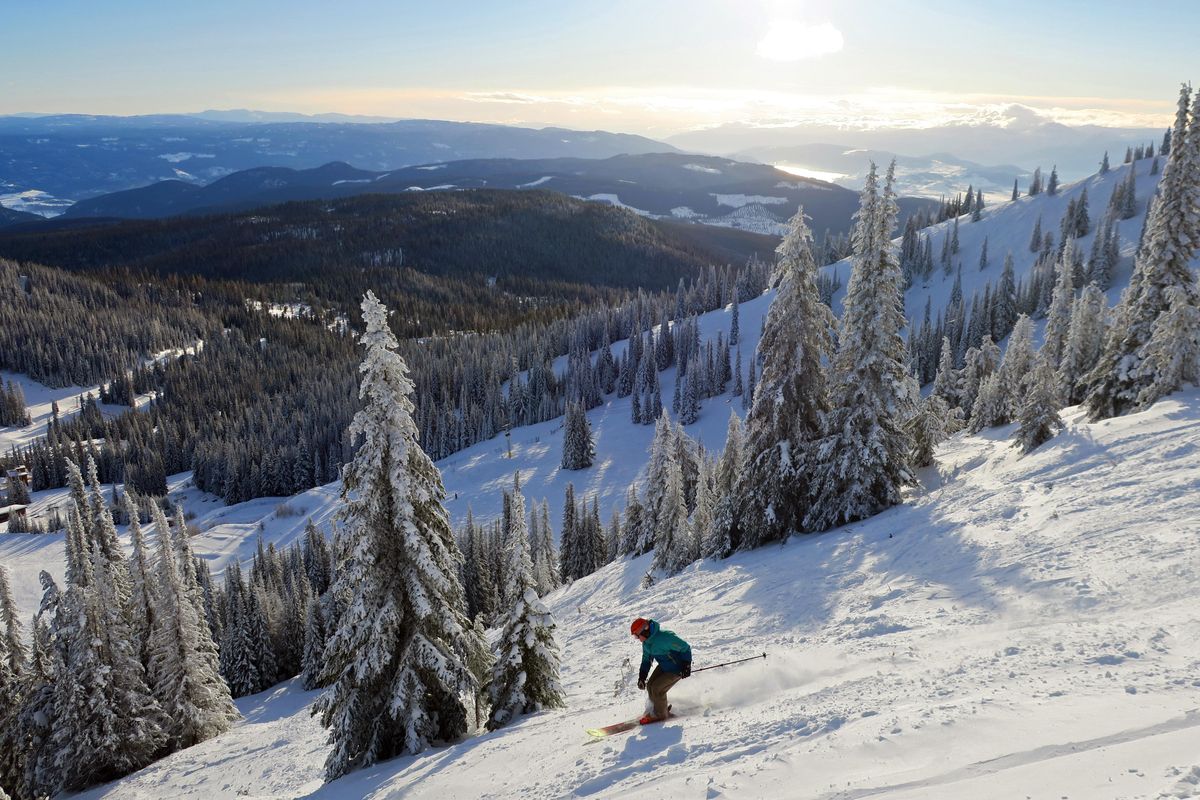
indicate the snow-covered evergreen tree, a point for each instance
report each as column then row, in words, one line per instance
column 1058, row 319
column 1083, row 222
column 13, row 750
column 13, row 641
column 970, row 377
column 1039, row 419
column 1127, row 208
column 525, row 674
column 865, row 458
column 108, row 723
column 933, row 423
column 706, row 503
column 572, row 549
column 595, row 542
column 635, row 522
column 946, row 383
column 29, row 759
column 143, row 600
column 578, row 448
column 545, row 563
column 238, row 651
column 673, row 535
column 733, row 319
column 689, row 404
column 991, row 405
column 1124, row 375
column 183, row 669
column 662, row 461
column 1172, row 356
column 751, row 384
column 1085, row 340
column 315, row 636
column 396, row 661
column 772, row 491
column 1017, row 365
column 516, row 528
column 1005, row 311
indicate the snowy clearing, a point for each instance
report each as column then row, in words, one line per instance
column 615, row 200
column 739, row 200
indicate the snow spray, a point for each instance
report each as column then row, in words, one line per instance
column 750, row 682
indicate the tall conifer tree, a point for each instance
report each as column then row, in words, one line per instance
column 865, row 458
column 396, row 661
column 525, row 675
column 1124, row 375
column 790, row 400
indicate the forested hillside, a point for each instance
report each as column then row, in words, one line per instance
column 262, row 408
column 527, row 243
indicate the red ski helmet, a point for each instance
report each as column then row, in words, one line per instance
column 638, row 626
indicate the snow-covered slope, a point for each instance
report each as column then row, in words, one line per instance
column 1022, row 627
column 1008, row 227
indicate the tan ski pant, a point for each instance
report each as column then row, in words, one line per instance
column 659, row 684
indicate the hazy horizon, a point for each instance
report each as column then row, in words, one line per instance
column 656, row 71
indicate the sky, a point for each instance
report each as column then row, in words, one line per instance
column 655, row 67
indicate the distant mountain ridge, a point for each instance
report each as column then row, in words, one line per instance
column 69, row 157
column 1016, row 134
column 716, row 191
column 10, row 217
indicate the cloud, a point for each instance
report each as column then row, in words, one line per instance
column 792, row 40
column 506, row 97
column 661, row 110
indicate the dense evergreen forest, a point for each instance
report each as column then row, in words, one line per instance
column 261, row 408
column 495, row 253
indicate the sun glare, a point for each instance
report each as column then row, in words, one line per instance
column 792, row 40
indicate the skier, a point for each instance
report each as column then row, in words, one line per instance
column 674, row 658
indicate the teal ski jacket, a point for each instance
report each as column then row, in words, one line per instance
column 671, row 652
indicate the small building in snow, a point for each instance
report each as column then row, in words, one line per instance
column 13, row 512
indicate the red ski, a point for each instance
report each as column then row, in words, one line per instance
column 622, row 727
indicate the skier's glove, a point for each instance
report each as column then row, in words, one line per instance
column 641, row 683
column 687, row 670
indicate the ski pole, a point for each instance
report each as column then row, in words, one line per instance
column 727, row 663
